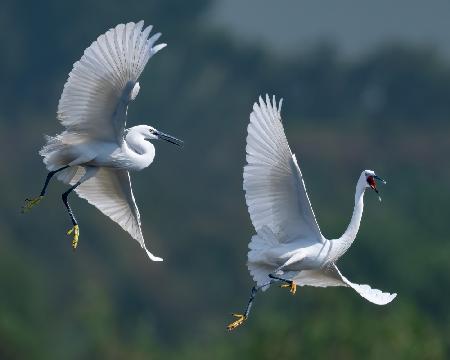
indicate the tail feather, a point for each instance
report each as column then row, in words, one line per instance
column 51, row 152
column 257, row 263
column 56, row 154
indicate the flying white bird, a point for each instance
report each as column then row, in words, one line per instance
column 96, row 152
column 288, row 245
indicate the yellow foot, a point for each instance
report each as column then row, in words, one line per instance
column 76, row 233
column 240, row 320
column 292, row 287
column 29, row 203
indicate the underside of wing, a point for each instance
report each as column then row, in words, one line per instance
column 102, row 83
column 375, row 296
column 317, row 277
column 110, row 192
column 331, row 276
column 274, row 188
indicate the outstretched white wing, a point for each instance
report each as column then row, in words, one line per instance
column 373, row 295
column 109, row 190
column 273, row 183
column 102, row 83
column 331, row 276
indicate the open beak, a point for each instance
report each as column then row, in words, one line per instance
column 373, row 184
column 169, row 138
column 380, row 179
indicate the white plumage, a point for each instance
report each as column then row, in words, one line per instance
column 101, row 83
column 288, row 240
column 95, row 152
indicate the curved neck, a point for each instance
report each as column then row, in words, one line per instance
column 141, row 150
column 342, row 244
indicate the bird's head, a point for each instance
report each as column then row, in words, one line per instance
column 150, row 133
column 369, row 177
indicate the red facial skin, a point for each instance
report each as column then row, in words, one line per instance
column 371, row 182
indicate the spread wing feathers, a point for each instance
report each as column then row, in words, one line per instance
column 331, row 276
column 102, row 83
column 110, row 192
column 273, row 183
column 373, row 295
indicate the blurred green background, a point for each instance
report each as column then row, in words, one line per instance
column 386, row 108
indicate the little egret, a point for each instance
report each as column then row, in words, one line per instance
column 288, row 245
column 96, row 152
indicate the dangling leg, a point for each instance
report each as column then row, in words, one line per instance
column 75, row 229
column 288, row 283
column 29, row 203
column 242, row 317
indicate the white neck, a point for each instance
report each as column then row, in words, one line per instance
column 341, row 245
column 141, row 151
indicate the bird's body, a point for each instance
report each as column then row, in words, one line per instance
column 288, row 245
column 133, row 154
column 307, row 253
column 95, row 152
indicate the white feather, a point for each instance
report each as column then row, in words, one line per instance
column 274, row 188
column 102, row 83
column 93, row 108
column 109, row 190
column 288, row 242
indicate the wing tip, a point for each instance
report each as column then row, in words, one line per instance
column 157, row 48
column 384, row 298
column 392, row 297
column 153, row 257
column 260, row 103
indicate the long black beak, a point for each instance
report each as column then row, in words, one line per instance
column 376, row 190
column 169, row 138
column 380, row 179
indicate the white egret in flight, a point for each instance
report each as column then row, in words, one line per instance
column 95, row 152
column 288, row 245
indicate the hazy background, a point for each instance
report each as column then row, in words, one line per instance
column 365, row 86
column 356, row 27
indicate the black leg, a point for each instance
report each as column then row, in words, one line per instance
column 272, row 276
column 75, row 229
column 242, row 318
column 289, row 283
column 255, row 290
column 66, row 202
column 29, row 203
column 49, row 176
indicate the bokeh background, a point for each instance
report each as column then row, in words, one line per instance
column 364, row 86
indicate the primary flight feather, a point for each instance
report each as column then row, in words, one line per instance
column 96, row 152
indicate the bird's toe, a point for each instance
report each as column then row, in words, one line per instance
column 240, row 320
column 292, row 287
column 76, row 233
column 29, row 203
